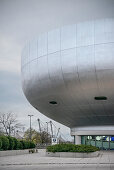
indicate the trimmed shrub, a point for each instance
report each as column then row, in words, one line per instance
column 71, row 148
column 25, row 144
column 32, row 145
column 11, row 143
column 19, row 145
column 0, row 144
column 5, row 142
column 21, row 141
column 15, row 143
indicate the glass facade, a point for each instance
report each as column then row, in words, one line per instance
column 102, row 142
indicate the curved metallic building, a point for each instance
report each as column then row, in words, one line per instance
column 68, row 75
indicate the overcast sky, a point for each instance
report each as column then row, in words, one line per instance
column 21, row 20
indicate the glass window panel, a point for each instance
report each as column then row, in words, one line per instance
column 112, row 142
column 87, row 140
column 83, row 138
column 99, row 141
column 105, row 141
column 92, row 140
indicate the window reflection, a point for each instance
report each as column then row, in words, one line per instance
column 102, row 142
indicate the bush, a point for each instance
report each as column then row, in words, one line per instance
column 32, row 145
column 19, row 145
column 71, row 148
column 22, row 144
column 0, row 144
column 25, row 144
column 15, row 143
column 11, row 143
column 5, row 142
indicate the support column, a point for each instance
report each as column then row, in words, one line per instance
column 74, row 139
column 77, row 140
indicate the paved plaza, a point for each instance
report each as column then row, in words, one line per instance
column 38, row 161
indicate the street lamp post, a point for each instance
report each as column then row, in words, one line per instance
column 47, row 126
column 30, row 126
column 47, row 132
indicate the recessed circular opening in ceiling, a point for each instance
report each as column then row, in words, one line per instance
column 100, row 98
column 53, row 102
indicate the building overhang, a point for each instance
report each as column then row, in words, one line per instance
column 92, row 130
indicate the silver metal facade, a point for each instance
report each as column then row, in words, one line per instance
column 71, row 66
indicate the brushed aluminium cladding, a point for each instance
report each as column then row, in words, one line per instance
column 65, row 69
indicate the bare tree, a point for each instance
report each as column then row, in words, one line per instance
column 9, row 122
column 38, row 137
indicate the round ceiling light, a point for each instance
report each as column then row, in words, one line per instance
column 100, row 98
column 53, row 102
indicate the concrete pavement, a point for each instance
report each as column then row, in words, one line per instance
column 38, row 161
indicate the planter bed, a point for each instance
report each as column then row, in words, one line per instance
column 16, row 152
column 73, row 154
column 72, row 151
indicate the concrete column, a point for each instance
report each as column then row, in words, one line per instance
column 74, row 139
column 77, row 140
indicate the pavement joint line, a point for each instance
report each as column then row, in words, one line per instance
column 58, row 164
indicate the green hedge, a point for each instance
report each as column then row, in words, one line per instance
column 0, row 143
column 25, row 144
column 15, row 143
column 32, row 145
column 5, row 142
column 71, row 148
column 19, row 145
column 11, row 143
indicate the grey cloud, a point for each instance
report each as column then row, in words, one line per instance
column 10, row 87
